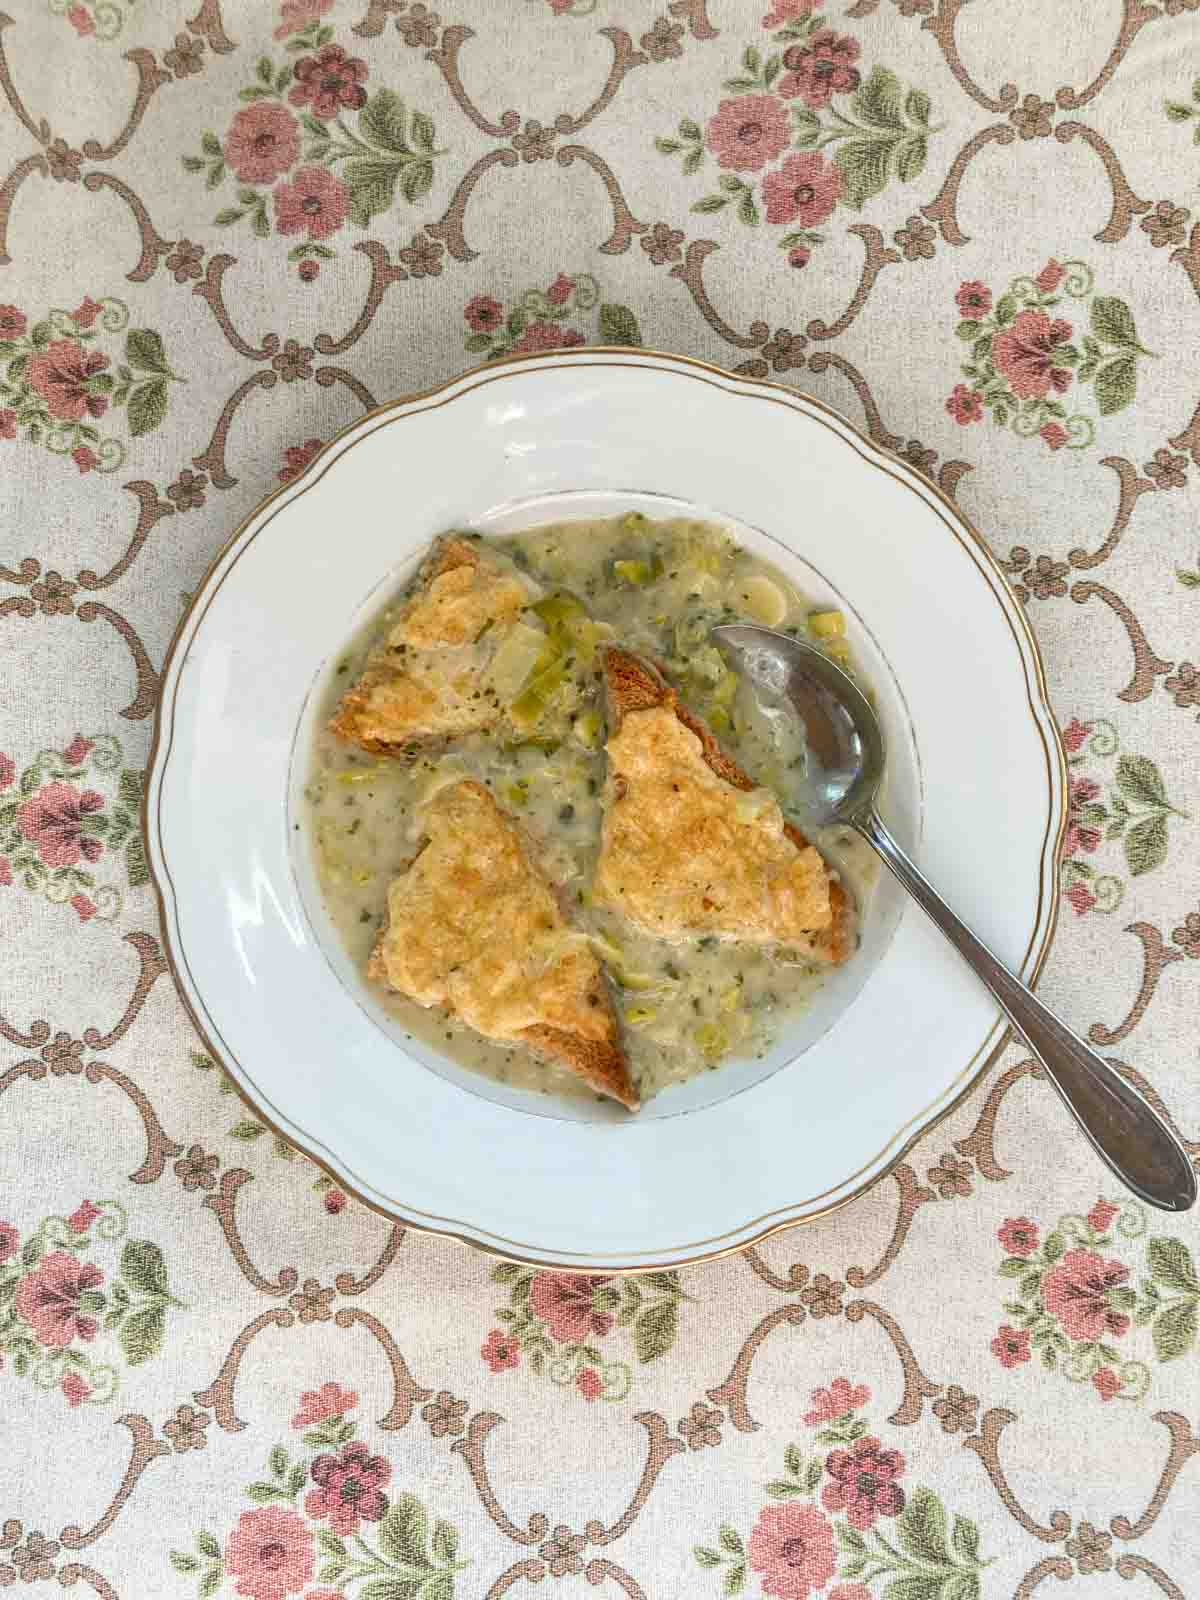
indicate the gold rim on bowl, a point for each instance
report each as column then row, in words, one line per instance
column 1056, row 767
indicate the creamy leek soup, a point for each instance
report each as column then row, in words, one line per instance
column 656, row 587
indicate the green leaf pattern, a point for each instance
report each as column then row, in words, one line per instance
column 108, row 832
column 396, row 1552
column 645, row 1310
column 383, row 154
column 125, row 1297
column 1138, row 812
column 137, row 380
column 878, row 134
column 914, row 1548
column 542, row 319
column 1021, row 360
column 1166, row 1299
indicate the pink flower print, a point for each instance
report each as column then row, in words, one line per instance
column 294, row 15
column 1019, row 1236
column 81, row 20
column 1080, row 836
column 561, row 7
column 84, row 1214
column 560, row 290
column 863, row 1483
column 974, row 300
column 792, row 1548
column 48, row 1299
column 60, row 375
column 1024, row 353
column 1106, row 1383
column 84, row 315
column 1081, row 898
column 500, row 1352
column 838, row 1400
column 965, row 405
column 83, row 908
column 270, row 1553
column 348, row 1487
column 8, row 423
column 820, row 69
column 74, row 1388
column 1101, row 1215
column 330, row 1400
column 1011, row 1346
column 787, row 11
column 483, row 313
column 1054, row 434
column 84, row 458
column 262, row 142
column 851, row 1591
column 804, row 188
column 329, row 81
column 9, row 1240
column 1074, row 734
column 297, row 456
column 6, row 876
column 12, row 322
column 335, row 1201
column 1076, row 1291
column 587, row 1381
column 8, row 770
column 314, row 202
column 52, row 818
column 748, row 131
column 75, row 752
column 1051, row 275
column 565, row 1303
column 548, row 336
column 799, row 256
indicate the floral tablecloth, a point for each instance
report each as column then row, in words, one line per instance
column 226, row 228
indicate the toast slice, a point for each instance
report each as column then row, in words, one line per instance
column 428, row 680
column 474, row 927
column 684, row 854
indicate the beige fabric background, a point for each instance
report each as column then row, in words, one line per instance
column 171, row 1282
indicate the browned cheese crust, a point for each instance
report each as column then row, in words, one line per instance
column 679, row 857
column 475, row 928
column 427, row 680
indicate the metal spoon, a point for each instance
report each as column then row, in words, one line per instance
column 844, row 768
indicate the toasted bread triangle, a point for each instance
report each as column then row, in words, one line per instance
column 634, row 684
column 426, row 692
column 474, row 927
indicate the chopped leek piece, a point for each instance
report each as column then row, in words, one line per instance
column 713, row 1040
column 586, row 729
column 827, row 624
column 548, row 673
column 560, row 610
column 638, row 572
column 516, row 659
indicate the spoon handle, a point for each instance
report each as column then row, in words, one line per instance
column 1123, row 1129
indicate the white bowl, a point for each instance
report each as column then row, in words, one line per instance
column 976, row 788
